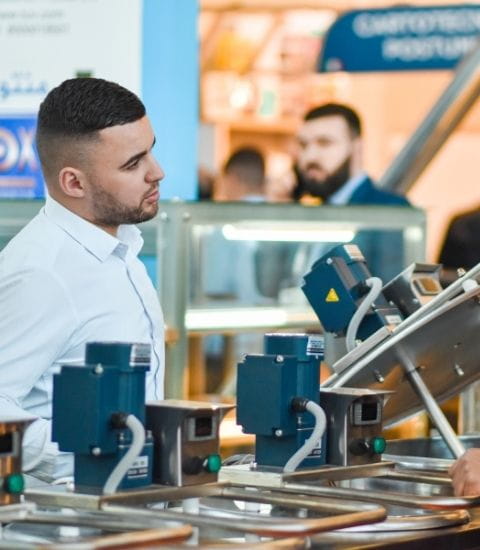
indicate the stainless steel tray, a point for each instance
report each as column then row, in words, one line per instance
column 325, row 513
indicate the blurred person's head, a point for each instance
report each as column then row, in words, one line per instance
column 95, row 145
column 328, row 150
column 243, row 176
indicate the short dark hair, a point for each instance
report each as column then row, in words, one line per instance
column 76, row 110
column 248, row 165
column 337, row 109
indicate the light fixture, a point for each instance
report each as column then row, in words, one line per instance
column 292, row 233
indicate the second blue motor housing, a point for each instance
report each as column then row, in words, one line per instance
column 266, row 386
column 335, row 287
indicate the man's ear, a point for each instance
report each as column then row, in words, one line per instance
column 72, row 182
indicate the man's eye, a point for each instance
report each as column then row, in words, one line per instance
column 133, row 164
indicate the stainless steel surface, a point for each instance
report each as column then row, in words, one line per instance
column 334, row 473
column 432, row 448
column 41, row 529
column 414, row 287
column 416, row 523
column 222, row 518
column 275, row 544
column 419, row 462
column 186, row 434
column 447, row 294
column 339, row 513
column 436, row 344
column 348, row 433
column 358, row 352
column 410, row 503
column 413, row 500
column 434, row 130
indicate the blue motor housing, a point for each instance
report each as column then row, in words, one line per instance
column 335, row 287
column 266, row 386
column 86, row 399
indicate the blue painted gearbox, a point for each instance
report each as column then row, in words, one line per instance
column 335, row 287
column 84, row 399
column 266, row 385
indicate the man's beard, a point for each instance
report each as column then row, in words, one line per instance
column 325, row 188
column 108, row 211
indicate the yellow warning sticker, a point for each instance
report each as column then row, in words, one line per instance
column 332, row 296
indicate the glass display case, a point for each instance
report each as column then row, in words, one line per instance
column 237, row 268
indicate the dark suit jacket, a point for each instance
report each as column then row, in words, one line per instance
column 368, row 193
column 383, row 249
column 461, row 247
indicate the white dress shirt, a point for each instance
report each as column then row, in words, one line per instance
column 65, row 282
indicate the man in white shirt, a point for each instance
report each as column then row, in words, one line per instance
column 72, row 275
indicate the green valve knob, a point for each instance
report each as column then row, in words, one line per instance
column 14, row 484
column 213, row 463
column 378, row 445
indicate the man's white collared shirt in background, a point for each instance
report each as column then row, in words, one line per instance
column 65, row 282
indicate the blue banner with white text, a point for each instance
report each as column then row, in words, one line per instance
column 401, row 39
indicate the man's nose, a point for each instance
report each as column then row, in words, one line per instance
column 155, row 173
column 311, row 153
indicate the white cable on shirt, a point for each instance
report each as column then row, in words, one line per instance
column 312, row 441
column 375, row 285
column 138, row 441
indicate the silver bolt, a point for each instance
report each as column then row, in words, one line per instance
column 458, row 369
column 278, row 432
column 96, row 451
column 98, row 369
column 329, row 261
column 378, row 377
column 279, row 359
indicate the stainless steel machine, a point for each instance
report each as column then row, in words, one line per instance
column 186, row 435
column 185, row 463
column 356, row 485
column 354, row 425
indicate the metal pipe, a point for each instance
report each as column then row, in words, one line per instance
column 437, row 126
column 392, row 497
column 432, row 407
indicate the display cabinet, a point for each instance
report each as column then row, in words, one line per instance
column 235, row 268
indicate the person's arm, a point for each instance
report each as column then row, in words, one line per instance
column 465, row 474
column 36, row 321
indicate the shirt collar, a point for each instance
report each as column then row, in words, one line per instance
column 343, row 195
column 97, row 241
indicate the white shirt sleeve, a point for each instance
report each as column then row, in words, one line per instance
column 36, row 321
